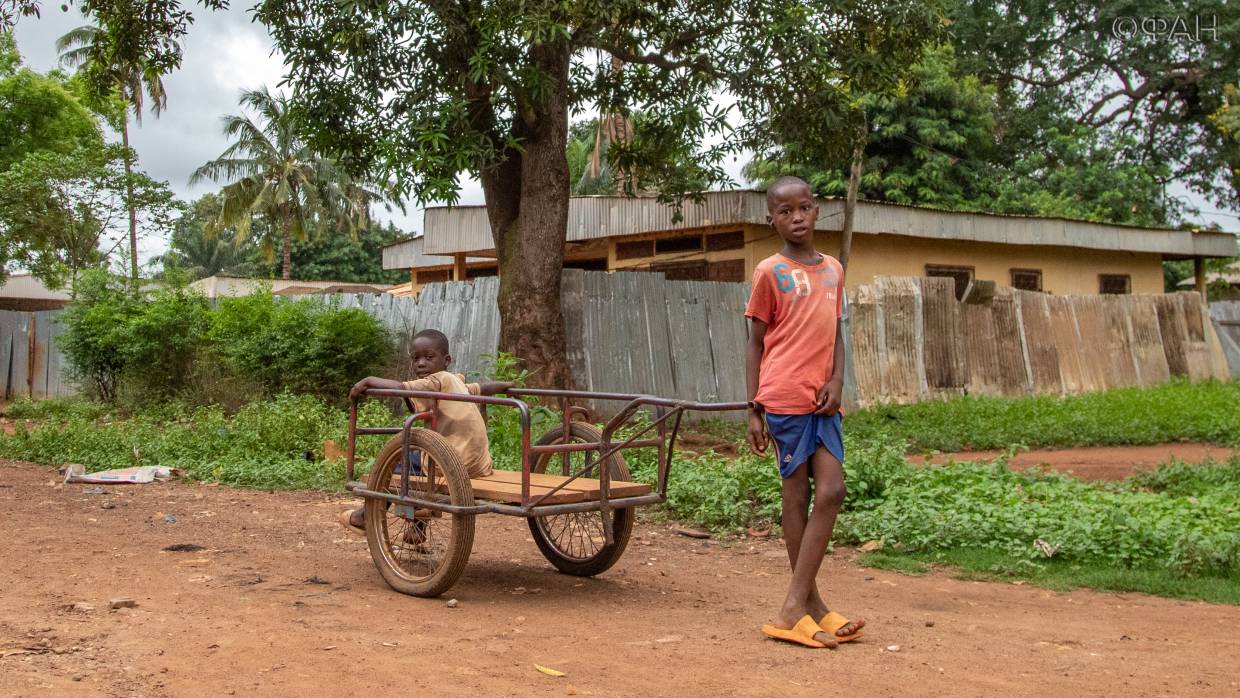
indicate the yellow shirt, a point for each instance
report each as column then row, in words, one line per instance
column 460, row 423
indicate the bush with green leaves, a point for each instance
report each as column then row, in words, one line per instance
column 119, row 344
column 300, row 345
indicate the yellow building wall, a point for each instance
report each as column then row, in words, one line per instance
column 1065, row 270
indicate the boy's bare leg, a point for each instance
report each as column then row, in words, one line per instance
column 829, row 492
column 795, row 517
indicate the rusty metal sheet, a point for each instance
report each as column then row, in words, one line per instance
column 1010, row 354
column 1174, row 333
column 1068, row 343
column 1041, row 351
column 866, row 357
column 1147, row 347
column 900, row 379
column 1121, row 364
column 1091, row 327
column 943, row 358
column 982, row 361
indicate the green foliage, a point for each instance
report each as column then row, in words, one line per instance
column 1059, row 62
column 270, row 172
column 1035, row 516
column 327, row 255
column 1175, row 411
column 941, row 141
column 262, row 446
column 160, row 348
column 1180, row 479
column 62, row 213
column 989, row 565
column 38, row 113
column 95, row 336
column 298, row 345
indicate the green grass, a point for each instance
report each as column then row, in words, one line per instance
column 261, row 446
column 1177, row 411
column 992, row 566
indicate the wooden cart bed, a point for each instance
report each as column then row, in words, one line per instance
column 505, row 486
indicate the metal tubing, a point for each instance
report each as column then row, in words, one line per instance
column 351, row 448
column 360, row 490
column 589, row 446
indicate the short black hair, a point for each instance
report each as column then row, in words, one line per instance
column 783, row 183
column 439, row 338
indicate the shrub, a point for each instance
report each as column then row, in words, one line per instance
column 175, row 345
column 298, row 345
column 96, row 332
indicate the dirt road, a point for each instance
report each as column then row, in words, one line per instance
column 281, row 601
column 1097, row 462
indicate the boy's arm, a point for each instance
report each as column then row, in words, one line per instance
column 754, row 349
column 494, row 387
column 831, row 394
column 374, row 382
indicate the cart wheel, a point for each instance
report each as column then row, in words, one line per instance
column 420, row 552
column 575, row 543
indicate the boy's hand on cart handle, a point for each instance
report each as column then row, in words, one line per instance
column 757, row 433
column 359, row 388
column 829, row 397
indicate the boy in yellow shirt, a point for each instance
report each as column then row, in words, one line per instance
column 459, row 423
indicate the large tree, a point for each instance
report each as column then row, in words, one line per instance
column 67, row 210
column 421, row 93
column 1150, row 73
column 936, row 143
column 274, row 174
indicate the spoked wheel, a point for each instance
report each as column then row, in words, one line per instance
column 420, row 552
column 575, row 543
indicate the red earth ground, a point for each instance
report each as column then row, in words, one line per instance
column 1096, row 462
column 282, row 601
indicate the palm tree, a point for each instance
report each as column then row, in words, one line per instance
column 201, row 255
column 81, row 48
column 274, row 174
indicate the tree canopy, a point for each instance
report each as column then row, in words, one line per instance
column 421, row 94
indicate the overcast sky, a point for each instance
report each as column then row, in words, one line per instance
column 225, row 52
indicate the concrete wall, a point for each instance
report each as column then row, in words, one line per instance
column 1065, row 270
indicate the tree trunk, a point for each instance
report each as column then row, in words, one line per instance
column 133, row 213
column 286, row 244
column 850, row 201
column 527, row 205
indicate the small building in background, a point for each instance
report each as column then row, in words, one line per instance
column 25, row 293
column 222, row 285
column 726, row 235
column 1223, row 285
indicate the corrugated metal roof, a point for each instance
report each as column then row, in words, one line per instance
column 466, row 228
column 407, row 254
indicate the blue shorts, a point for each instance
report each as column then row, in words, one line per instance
column 797, row 436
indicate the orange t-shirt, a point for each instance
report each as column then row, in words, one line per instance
column 800, row 305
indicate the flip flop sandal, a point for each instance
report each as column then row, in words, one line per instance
column 801, row 634
column 832, row 622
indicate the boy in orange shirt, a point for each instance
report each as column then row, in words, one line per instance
column 794, row 370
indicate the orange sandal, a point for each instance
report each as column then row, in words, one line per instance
column 832, row 622
column 802, row 633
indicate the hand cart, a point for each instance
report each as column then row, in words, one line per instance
column 420, row 510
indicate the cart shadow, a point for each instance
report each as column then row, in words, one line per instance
column 526, row 579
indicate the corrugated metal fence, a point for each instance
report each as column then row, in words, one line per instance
column 1226, row 316
column 909, row 339
column 30, row 363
